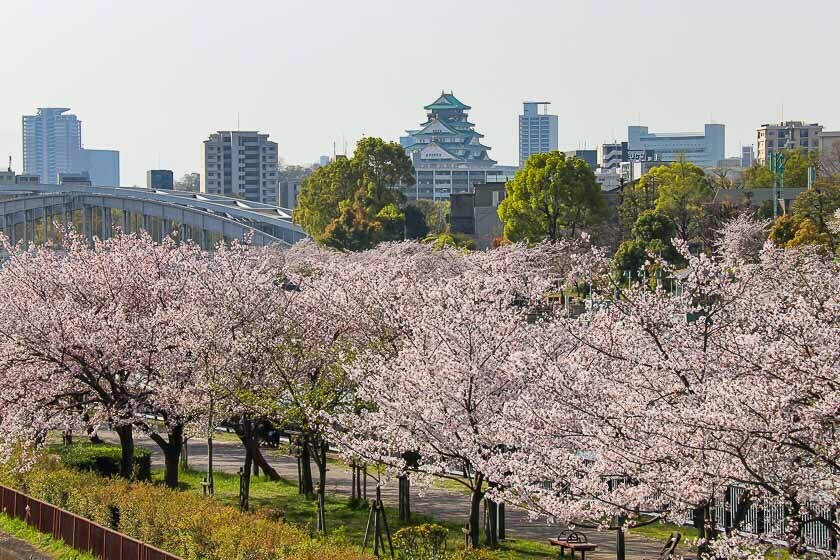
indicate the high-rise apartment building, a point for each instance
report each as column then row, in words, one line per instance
column 240, row 164
column 704, row 149
column 787, row 135
column 52, row 145
column 537, row 131
column 52, row 141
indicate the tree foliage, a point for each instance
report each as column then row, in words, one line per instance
column 682, row 192
column 811, row 219
column 416, row 226
column 758, row 177
column 353, row 203
column 552, row 195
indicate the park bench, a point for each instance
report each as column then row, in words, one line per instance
column 573, row 541
column 670, row 547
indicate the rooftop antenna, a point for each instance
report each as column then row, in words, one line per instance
column 10, row 164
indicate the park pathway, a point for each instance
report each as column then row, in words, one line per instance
column 12, row 548
column 438, row 503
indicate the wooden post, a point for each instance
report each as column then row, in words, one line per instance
column 501, row 523
column 322, row 519
column 620, row 549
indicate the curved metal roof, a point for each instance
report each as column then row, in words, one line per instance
column 272, row 220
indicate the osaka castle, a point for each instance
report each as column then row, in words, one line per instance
column 447, row 152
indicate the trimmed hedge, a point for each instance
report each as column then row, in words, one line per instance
column 104, row 459
column 183, row 523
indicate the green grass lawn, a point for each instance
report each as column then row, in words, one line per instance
column 54, row 548
column 661, row 531
column 341, row 515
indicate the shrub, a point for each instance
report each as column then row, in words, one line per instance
column 104, row 459
column 183, row 523
column 421, row 542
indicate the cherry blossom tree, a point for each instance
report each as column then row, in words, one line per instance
column 90, row 330
column 660, row 401
column 438, row 390
column 128, row 332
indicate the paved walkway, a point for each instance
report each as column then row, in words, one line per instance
column 433, row 502
column 16, row 549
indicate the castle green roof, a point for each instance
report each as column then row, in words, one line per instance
column 447, row 101
column 425, row 130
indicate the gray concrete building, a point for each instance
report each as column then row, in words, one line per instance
column 589, row 156
column 477, row 213
column 787, row 135
column 240, row 164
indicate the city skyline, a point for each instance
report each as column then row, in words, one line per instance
column 148, row 95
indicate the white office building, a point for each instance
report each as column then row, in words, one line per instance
column 537, row 130
column 704, row 149
column 240, row 164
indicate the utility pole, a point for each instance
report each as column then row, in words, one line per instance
column 777, row 166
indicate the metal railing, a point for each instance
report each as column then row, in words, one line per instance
column 77, row 532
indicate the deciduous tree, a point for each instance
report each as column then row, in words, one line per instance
column 551, row 196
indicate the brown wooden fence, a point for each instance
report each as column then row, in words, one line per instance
column 82, row 534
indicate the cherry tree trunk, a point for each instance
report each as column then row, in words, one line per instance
column 127, row 446
column 245, row 481
column 476, row 497
column 260, row 460
column 172, row 455
column 321, row 460
column 491, row 523
column 307, row 488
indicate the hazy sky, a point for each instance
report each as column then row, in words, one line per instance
column 153, row 78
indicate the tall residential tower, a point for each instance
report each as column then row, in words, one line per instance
column 52, row 142
column 537, row 131
column 52, row 146
column 240, row 164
